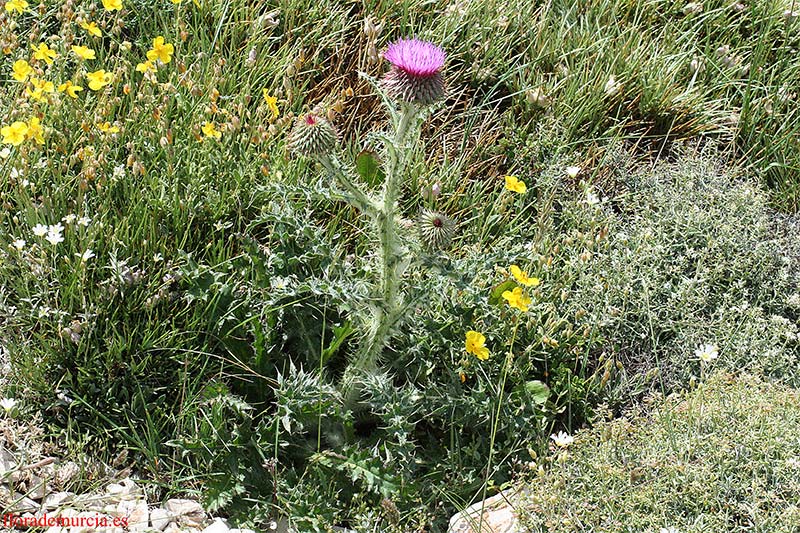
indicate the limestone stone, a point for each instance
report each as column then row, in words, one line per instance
column 57, row 499
column 217, row 526
column 160, row 518
column 8, row 462
column 137, row 513
column 495, row 515
column 37, row 488
column 188, row 512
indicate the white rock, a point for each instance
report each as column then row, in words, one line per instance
column 88, row 517
column 37, row 488
column 130, row 489
column 137, row 513
column 17, row 503
column 189, row 512
column 496, row 514
column 57, row 499
column 217, row 526
column 237, row 530
column 172, row 528
column 115, row 489
column 159, row 519
column 7, row 462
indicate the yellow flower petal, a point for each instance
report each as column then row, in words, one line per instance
column 513, row 184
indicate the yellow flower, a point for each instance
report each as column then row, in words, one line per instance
column 99, row 79
column 161, row 51
column 39, row 88
column 70, row 88
column 271, row 103
column 35, row 130
column 112, row 5
column 21, row 70
column 83, row 52
column 513, row 184
column 147, row 66
column 15, row 133
column 106, row 127
column 517, row 299
column 475, row 345
column 92, row 29
column 209, row 130
column 176, row 2
column 44, row 53
column 16, row 5
column 522, row 277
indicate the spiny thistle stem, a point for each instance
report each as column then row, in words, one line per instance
column 389, row 305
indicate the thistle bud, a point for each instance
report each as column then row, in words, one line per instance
column 312, row 135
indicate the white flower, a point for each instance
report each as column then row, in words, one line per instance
column 69, row 219
column 592, row 198
column 8, row 404
column 40, row 230
column 15, row 173
column 63, row 397
column 19, row 244
column 54, row 234
column 573, row 171
column 537, row 97
column 707, row 352
column 54, row 238
column 85, row 256
column 562, row 439
column 84, row 221
column 119, row 172
column 669, row 529
column 613, row 87
column 157, row 258
column 5, row 152
column 793, row 462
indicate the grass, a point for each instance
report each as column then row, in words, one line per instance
column 216, row 309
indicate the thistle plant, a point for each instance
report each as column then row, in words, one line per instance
column 408, row 90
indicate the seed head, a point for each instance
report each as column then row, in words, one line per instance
column 435, row 229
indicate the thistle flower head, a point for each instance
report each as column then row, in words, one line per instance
column 416, row 58
column 435, row 229
column 415, row 76
column 312, row 135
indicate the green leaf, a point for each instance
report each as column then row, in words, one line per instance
column 340, row 334
column 537, row 390
column 496, row 296
column 369, row 169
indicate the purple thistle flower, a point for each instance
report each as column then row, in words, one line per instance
column 416, row 58
column 415, row 76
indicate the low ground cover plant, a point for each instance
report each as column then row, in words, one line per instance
column 721, row 456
